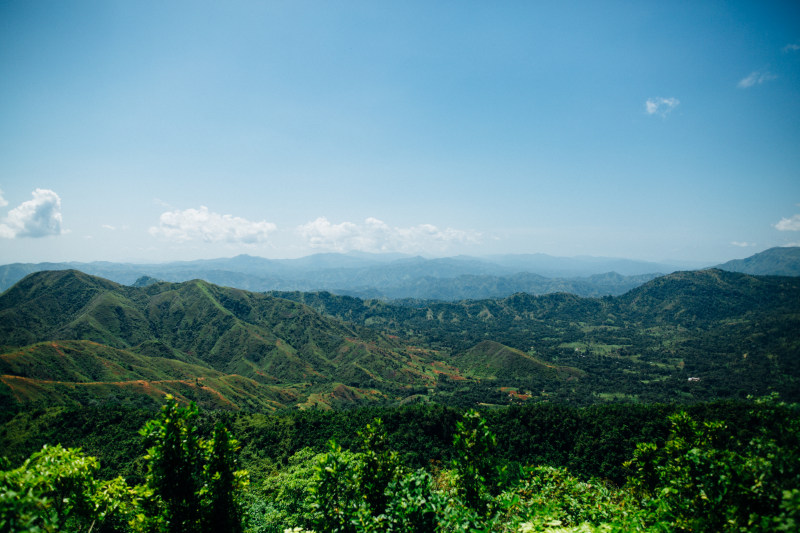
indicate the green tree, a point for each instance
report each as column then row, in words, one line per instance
column 55, row 490
column 378, row 468
column 704, row 478
column 195, row 481
column 174, row 464
column 474, row 466
column 222, row 483
column 336, row 492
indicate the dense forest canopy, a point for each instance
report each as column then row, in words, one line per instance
column 724, row 466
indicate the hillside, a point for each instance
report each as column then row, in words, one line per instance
column 783, row 261
column 737, row 333
column 492, row 360
column 66, row 337
column 265, row 340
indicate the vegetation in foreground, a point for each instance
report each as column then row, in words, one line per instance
column 703, row 477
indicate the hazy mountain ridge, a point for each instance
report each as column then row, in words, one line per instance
column 379, row 276
column 393, row 276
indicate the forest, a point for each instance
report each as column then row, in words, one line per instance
column 193, row 407
column 716, row 466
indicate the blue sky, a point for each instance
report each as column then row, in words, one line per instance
column 155, row 131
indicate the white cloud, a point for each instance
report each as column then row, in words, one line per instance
column 201, row 224
column 39, row 217
column 743, row 244
column 376, row 236
column 793, row 47
column 756, row 78
column 660, row 106
column 789, row 224
column 3, row 201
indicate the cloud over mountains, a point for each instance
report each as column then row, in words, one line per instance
column 207, row 226
column 374, row 235
column 789, row 224
column 38, row 217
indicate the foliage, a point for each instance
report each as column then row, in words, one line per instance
column 705, row 478
column 222, row 483
column 552, row 496
column 379, row 466
column 284, row 499
column 415, row 505
column 195, row 480
column 55, row 490
column 474, row 445
column 335, row 487
column 736, row 473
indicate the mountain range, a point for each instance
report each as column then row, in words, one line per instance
column 393, row 276
column 67, row 337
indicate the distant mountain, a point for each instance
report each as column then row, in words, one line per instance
column 477, row 287
column 389, row 276
column 582, row 266
column 783, row 261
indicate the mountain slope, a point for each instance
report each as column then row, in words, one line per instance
column 710, row 295
column 737, row 333
column 492, row 360
column 783, row 261
column 68, row 337
column 149, row 333
column 70, row 372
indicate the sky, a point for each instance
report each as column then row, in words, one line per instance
column 152, row 131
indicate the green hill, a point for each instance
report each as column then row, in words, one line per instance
column 492, row 360
column 736, row 333
column 67, row 337
column 176, row 334
column 782, row 261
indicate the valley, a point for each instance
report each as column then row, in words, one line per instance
column 70, row 338
column 581, row 405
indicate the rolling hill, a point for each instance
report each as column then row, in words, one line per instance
column 782, row 261
column 67, row 337
column 215, row 332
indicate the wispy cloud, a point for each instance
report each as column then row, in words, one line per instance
column 660, row 106
column 3, row 201
column 204, row 225
column 793, row 47
column 39, row 217
column 374, row 235
column 789, row 224
column 743, row 244
column 757, row 77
